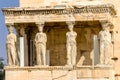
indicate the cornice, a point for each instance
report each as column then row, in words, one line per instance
column 57, row 68
column 59, row 10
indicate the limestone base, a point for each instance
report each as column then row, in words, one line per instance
column 59, row 73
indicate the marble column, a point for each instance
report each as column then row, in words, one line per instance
column 22, row 51
column 22, row 64
column 48, row 57
column 31, row 52
column 24, row 43
column 96, row 50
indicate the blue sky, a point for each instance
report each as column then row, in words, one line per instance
column 3, row 29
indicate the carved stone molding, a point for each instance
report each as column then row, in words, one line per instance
column 40, row 23
column 59, row 14
column 47, row 10
column 70, row 22
column 57, row 68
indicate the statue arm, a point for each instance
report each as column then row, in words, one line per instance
column 7, row 39
column 99, row 37
column 36, row 39
column 15, row 39
column 67, row 34
column 45, row 38
column 75, row 34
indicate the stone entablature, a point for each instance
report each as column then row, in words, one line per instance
column 60, row 9
column 51, row 14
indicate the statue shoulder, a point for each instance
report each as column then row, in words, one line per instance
column 44, row 33
column 14, row 35
column 37, row 33
column 11, row 35
column 67, row 33
column 101, row 32
column 75, row 33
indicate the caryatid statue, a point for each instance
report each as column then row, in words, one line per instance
column 11, row 47
column 71, row 44
column 105, row 44
column 40, row 43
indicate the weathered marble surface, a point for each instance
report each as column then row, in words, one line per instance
column 11, row 47
column 105, row 44
column 59, row 73
column 71, row 45
column 40, row 43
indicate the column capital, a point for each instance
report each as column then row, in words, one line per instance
column 70, row 19
column 22, row 29
column 107, row 24
column 9, row 24
column 40, row 24
column 70, row 23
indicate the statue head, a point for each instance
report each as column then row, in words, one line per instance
column 40, row 27
column 70, row 25
column 106, row 25
column 10, row 29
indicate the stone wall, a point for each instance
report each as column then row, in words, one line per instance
column 59, row 73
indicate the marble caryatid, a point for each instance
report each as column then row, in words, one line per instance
column 105, row 44
column 40, row 43
column 11, row 47
column 71, row 45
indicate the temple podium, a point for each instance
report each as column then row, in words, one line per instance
column 60, row 73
